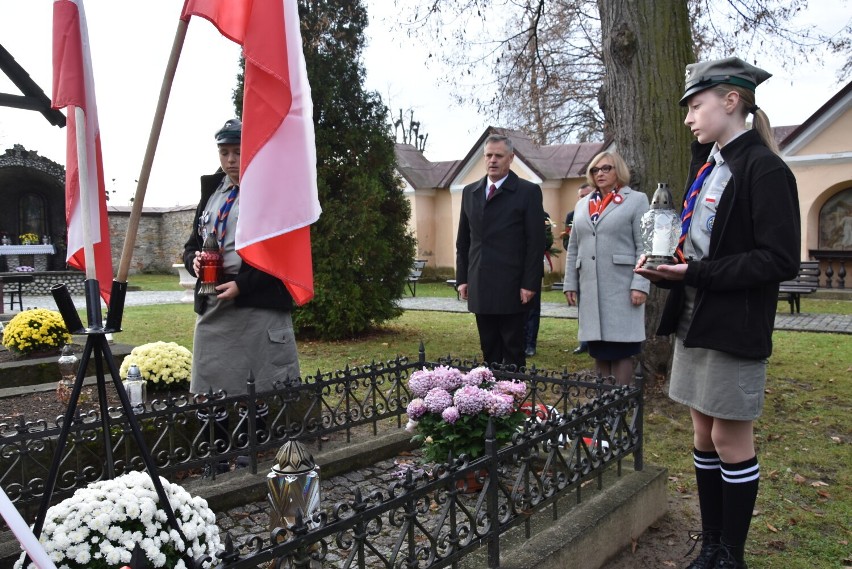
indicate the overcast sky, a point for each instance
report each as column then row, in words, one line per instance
column 130, row 50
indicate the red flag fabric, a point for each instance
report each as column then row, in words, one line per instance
column 74, row 87
column 278, row 180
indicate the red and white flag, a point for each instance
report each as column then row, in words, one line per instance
column 278, row 175
column 74, row 87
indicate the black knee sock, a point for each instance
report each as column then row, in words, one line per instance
column 739, row 488
column 708, row 476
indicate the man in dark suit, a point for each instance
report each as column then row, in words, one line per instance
column 499, row 253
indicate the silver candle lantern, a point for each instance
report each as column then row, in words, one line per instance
column 136, row 388
column 660, row 227
column 294, row 485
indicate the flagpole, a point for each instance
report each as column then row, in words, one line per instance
column 153, row 139
column 83, row 196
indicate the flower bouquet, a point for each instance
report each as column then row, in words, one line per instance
column 450, row 410
column 165, row 365
column 28, row 239
column 35, row 330
column 99, row 526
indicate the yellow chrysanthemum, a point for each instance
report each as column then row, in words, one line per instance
column 35, row 330
column 161, row 363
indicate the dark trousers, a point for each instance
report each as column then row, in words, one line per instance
column 501, row 337
column 532, row 322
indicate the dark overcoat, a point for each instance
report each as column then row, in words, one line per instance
column 499, row 245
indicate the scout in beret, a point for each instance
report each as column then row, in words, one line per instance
column 246, row 328
column 740, row 237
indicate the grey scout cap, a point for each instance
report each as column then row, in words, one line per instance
column 730, row 70
column 231, row 133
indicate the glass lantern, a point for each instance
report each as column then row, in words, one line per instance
column 136, row 388
column 68, row 363
column 660, row 227
column 210, row 263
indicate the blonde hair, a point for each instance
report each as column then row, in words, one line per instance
column 760, row 122
column 622, row 172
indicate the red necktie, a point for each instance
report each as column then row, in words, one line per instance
column 491, row 191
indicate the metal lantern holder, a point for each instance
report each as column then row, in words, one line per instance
column 98, row 345
column 294, row 486
column 660, row 227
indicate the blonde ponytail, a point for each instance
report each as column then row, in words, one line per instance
column 760, row 122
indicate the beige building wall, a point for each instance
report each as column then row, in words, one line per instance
column 435, row 212
column 823, row 167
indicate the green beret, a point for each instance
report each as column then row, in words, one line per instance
column 731, row 70
column 231, row 133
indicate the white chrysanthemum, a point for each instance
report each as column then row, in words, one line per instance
column 96, row 525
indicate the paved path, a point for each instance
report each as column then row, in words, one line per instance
column 805, row 322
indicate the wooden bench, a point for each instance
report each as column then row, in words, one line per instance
column 806, row 282
column 414, row 275
column 13, row 278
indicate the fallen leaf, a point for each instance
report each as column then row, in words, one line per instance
column 633, row 544
column 835, row 439
column 818, row 483
column 824, row 494
column 799, row 479
column 771, row 527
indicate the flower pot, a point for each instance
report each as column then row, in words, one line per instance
column 187, row 281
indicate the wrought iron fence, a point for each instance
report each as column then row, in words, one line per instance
column 429, row 521
column 421, row 521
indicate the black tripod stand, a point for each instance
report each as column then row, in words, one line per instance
column 97, row 345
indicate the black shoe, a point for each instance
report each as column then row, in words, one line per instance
column 529, row 352
column 243, row 461
column 706, row 557
column 581, row 349
column 729, row 558
column 709, row 549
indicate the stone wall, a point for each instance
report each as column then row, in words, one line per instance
column 42, row 282
column 159, row 241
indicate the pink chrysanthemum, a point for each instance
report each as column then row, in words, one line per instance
column 478, row 376
column 437, row 400
column 416, row 409
column 499, row 404
column 448, row 378
column 470, row 399
column 514, row 388
column 450, row 415
column 420, row 382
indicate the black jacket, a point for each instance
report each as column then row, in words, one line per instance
column 500, row 245
column 754, row 245
column 258, row 289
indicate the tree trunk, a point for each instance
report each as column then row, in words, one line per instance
column 646, row 46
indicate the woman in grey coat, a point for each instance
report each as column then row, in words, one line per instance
column 604, row 245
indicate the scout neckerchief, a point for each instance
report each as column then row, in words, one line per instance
column 222, row 216
column 689, row 206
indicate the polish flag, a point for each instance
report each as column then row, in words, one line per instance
column 278, row 175
column 74, row 87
